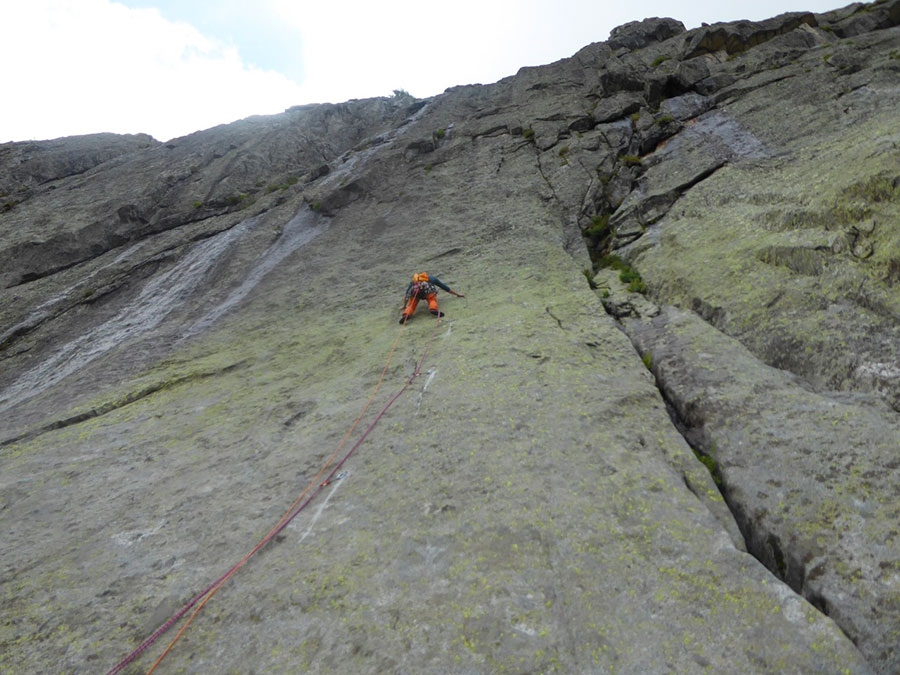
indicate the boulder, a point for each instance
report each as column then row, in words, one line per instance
column 638, row 34
column 734, row 38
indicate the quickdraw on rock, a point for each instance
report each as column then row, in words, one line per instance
column 329, row 481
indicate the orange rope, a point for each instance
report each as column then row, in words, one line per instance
column 316, row 481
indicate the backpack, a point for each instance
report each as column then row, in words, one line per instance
column 420, row 287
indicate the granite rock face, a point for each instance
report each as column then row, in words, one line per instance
column 658, row 434
column 810, row 476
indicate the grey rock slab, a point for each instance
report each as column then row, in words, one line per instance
column 526, row 505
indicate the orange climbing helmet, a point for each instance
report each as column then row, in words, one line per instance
column 420, row 277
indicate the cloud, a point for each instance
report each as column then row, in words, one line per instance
column 360, row 49
column 171, row 67
column 85, row 66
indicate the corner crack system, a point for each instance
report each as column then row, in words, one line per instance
column 760, row 542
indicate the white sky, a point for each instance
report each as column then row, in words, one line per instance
column 171, row 67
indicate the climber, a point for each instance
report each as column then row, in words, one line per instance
column 424, row 286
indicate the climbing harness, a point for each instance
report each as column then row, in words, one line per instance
column 329, row 473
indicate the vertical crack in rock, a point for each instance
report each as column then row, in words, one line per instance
column 810, row 479
column 687, row 418
column 688, row 422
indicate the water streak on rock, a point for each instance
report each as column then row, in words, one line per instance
column 299, row 231
column 162, row 295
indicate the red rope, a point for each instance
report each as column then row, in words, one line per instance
column 299, row 504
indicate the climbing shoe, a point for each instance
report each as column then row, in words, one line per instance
column 437, row 313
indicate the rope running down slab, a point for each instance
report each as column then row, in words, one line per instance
column 324, row 476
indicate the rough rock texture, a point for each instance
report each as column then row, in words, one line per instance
column 658, row 435
column 811, row 478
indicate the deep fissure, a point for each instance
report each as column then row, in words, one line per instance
column 763, row 544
